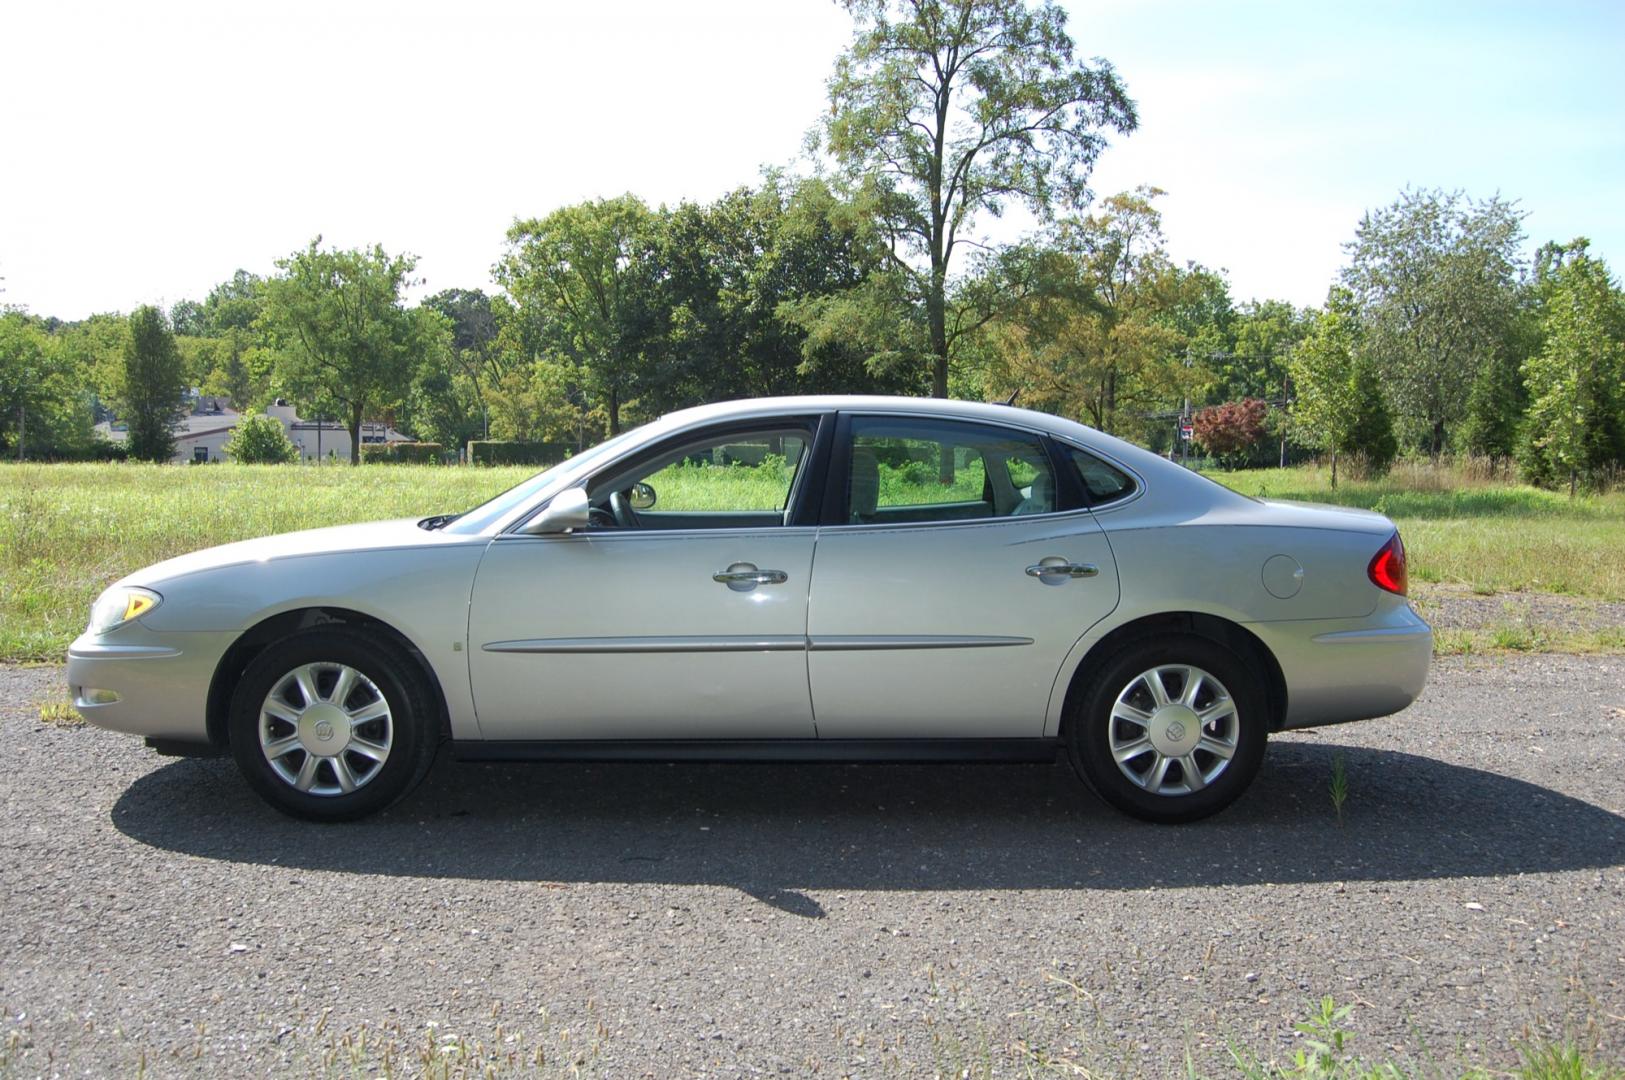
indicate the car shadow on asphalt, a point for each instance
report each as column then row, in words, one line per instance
column 775, row 831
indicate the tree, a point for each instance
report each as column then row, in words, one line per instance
column 1340, row 406
column 22, row 366
column 1228, row 431
column 585, row 274
column 943, row 109
column 152, row 386
column 1434, row 278
column 1263, row 335
column 260, row 440
column 1107, row 335
column 342, row 335
column 1576, row 426
column 472, row 348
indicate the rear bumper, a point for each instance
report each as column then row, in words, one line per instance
column 1339, row 670
column 143, row 682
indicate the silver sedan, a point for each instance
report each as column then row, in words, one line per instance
column 792, row 579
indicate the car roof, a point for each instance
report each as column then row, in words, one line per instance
column 964, row 410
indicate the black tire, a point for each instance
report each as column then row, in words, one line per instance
column 413, row 724
column 1091, row 728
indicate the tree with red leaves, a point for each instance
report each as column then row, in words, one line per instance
column 1229, row 430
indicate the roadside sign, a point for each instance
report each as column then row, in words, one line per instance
column 1186, row 431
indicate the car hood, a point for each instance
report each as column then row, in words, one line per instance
column 373, row 536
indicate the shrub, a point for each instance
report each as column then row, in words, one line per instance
column 1230, row 430
column 260, row 440
column 500, row 452
column 402, row 453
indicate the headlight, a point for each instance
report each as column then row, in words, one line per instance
column 119, row 605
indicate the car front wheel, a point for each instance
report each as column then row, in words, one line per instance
column 1172, row 729
column 332, row 725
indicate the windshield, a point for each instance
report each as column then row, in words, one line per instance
column 481, row 517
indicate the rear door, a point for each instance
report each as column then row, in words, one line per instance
column 952, row 575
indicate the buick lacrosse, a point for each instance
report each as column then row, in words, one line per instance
column 791, row 579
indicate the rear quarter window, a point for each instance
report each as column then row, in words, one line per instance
column 1102, row 483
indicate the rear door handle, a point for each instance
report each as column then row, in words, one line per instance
column 744, row 575
column 1055, row 568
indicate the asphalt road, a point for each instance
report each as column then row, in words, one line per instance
column 825, row 920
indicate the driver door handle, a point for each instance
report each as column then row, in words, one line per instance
column 746, row 574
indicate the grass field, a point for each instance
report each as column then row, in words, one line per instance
column 66, row 531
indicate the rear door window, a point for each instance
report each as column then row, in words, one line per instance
column 903, row 470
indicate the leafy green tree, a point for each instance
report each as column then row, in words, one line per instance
column 1434, row 276
column 45, row 403
column 152, row 386
column 1496, row 404
column 1340, row 403
column 233, row 304
column 22, row 368
column 941, row 110
column 187, row 318
column 585, row 275
column 342, row 334
column 472, row 348
column 1108, row 336
column 1576, row 426
column 260, row 440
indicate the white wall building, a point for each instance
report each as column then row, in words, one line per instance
column 201, row 434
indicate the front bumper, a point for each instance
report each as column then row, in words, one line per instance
column 1338, row 670
column 144, row 682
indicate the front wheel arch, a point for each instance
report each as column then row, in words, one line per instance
column 268, row 631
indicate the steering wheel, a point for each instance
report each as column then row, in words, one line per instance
column 621, row 507
column 600, row 517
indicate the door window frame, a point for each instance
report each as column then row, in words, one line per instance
column 1070, row 496
column 806, row 491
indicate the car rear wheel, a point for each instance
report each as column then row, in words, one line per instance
column 332, row 725
column 1172, row 729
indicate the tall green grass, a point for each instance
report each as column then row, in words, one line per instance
column 1461, row 527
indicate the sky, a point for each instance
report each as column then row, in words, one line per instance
column 152, row 149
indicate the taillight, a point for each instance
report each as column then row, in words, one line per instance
column 1387, row 569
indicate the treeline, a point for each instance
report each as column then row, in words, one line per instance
column 871, row 277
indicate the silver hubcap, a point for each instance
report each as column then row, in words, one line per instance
column 326, row 729
column 1173, row 729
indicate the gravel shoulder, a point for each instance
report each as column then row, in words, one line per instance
column 1458, row 607
column 696, row 920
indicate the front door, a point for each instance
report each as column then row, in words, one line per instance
column 947, row 600
column 680, row 614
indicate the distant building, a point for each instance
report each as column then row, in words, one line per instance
column 326, row 437
column 201, row 432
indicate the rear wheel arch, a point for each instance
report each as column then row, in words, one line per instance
column 283, row 625
column 1233, row 636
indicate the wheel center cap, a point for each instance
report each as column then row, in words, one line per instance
column 1175, row 730
column 324, row 729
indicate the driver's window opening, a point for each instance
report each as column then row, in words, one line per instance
column 741, row 480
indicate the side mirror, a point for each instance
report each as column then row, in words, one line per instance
column 567, row 512
column 642, row 496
